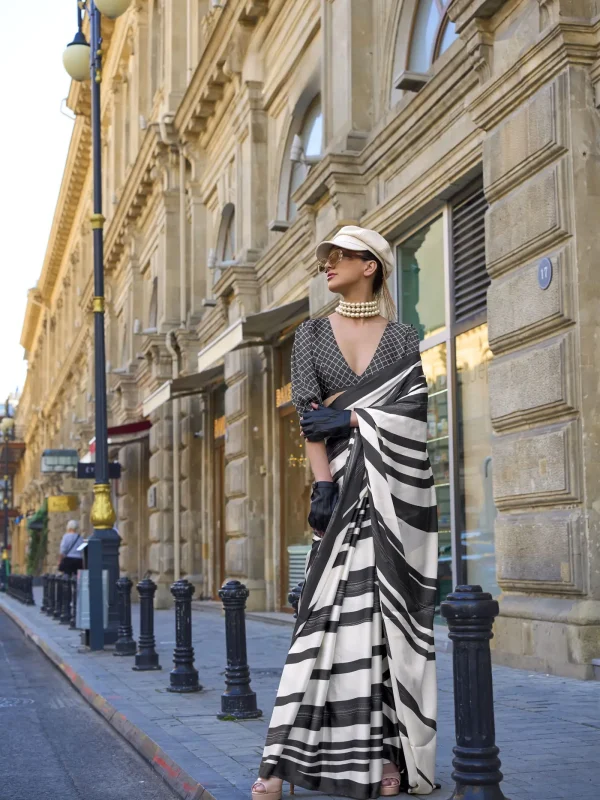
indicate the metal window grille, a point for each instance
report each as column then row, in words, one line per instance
column 471, row 279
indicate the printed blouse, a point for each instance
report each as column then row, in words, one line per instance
column 319, row 369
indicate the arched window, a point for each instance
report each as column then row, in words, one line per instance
column 433, row 33
column 303, row 149
column 153, row 307
column 226, row 238
column 424, row 32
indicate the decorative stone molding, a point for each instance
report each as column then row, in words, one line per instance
column 541, row 552
column 480, row 46
column 538, row 468
column 519, row 312
column 533, row 219
column 462, row 12
column 528, row 140
column 534, row 386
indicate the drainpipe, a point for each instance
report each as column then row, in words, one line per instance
column 170, row 342
column 182, row 241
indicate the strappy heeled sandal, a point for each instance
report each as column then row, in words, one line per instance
column 267, row 795
column 393, row 789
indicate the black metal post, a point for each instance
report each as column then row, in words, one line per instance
column 470, row 613
column 58, row 584
column 73, row 620
column 146, row 657
column 125, row 645
column 103, row 515
column 65, row 617
column 44, row 605
column 238, row 700
column 30, row 600
column 184, row 676
column 294, row 597
column 51, row 595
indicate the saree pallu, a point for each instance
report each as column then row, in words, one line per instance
column 359, row 683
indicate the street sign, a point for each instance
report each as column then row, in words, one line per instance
column 87, row 471
column 62, row 502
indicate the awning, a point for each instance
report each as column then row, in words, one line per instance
column 256, row 329
column 120, row 434
column 181, row 387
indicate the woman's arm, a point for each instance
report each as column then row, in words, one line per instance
column 317, row 455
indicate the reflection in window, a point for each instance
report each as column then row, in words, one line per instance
column 433, row 33
column 421, row 285
column 438, row 447
column 477, row 511
column 153, row 307
column 310, row 137
column 228, row 253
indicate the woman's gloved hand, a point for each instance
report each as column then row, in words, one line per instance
column 322, row 422
column 323, row 500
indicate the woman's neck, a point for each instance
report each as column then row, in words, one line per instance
column 358, row 296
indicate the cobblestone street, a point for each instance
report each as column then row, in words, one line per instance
column 548, row 728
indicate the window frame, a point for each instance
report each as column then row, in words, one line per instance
column 447, row 336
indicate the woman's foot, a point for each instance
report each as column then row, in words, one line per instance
column 390, row 782
column 267, row 788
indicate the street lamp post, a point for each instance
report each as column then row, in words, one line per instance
column 82, row 61
column 7, row 429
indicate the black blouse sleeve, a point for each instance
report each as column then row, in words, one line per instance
column 305, row 386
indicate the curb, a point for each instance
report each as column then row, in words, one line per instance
column 186, row 787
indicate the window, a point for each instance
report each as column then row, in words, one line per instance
column 449, row 251
column 303, row 150
column 433, row 33
column 226, row 237
column 153, row 306
column 424, row 32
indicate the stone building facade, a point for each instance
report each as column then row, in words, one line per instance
column 238, row 135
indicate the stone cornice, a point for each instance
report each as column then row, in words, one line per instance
column 32, row 317
column 134, row 195
column 78, row 161
column 462, row 12
column 220, row 61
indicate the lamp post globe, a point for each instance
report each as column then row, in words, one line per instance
column 112, row 8
column 6, row 426
column 76, row 58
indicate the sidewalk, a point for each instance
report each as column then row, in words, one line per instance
column 548, row 728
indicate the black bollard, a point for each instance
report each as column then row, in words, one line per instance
column 51, row 595
column 73, row 620
column 30, row 599
column 184, row 676
column 125, row 644
column 44, row 606
column 65, row 617
column 294, row 597
column 238, row 700
column 58, row 596
column 470, row 613
column 146, row 657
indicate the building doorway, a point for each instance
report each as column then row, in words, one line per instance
column 218, row 484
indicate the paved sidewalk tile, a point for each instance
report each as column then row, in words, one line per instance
column 548, row 728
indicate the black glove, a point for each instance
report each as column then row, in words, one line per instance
column 322, row 422
column 323, row 500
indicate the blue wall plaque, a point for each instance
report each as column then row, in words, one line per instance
column 544, row 273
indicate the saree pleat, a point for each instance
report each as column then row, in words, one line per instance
column 359, row 683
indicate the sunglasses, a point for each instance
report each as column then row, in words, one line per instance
column 335, row 256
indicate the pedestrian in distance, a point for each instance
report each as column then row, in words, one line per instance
column 71, row 558
column 357, row 703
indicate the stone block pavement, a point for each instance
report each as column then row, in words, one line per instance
column 548, row 728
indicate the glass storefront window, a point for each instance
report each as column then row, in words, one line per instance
column 438, row 446
column 476, row 511
column 421, row 284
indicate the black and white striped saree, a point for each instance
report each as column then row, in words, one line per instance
column 359, row 684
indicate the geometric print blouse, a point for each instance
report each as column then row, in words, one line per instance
column 319, row 369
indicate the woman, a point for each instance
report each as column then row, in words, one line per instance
column 356, row 706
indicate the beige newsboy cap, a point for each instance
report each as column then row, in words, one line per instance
column 351, row 237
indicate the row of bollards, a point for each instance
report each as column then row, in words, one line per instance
column 21, row 588
column 59, row 598
column 469, row 611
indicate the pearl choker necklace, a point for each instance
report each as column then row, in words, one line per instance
column 368, row 309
